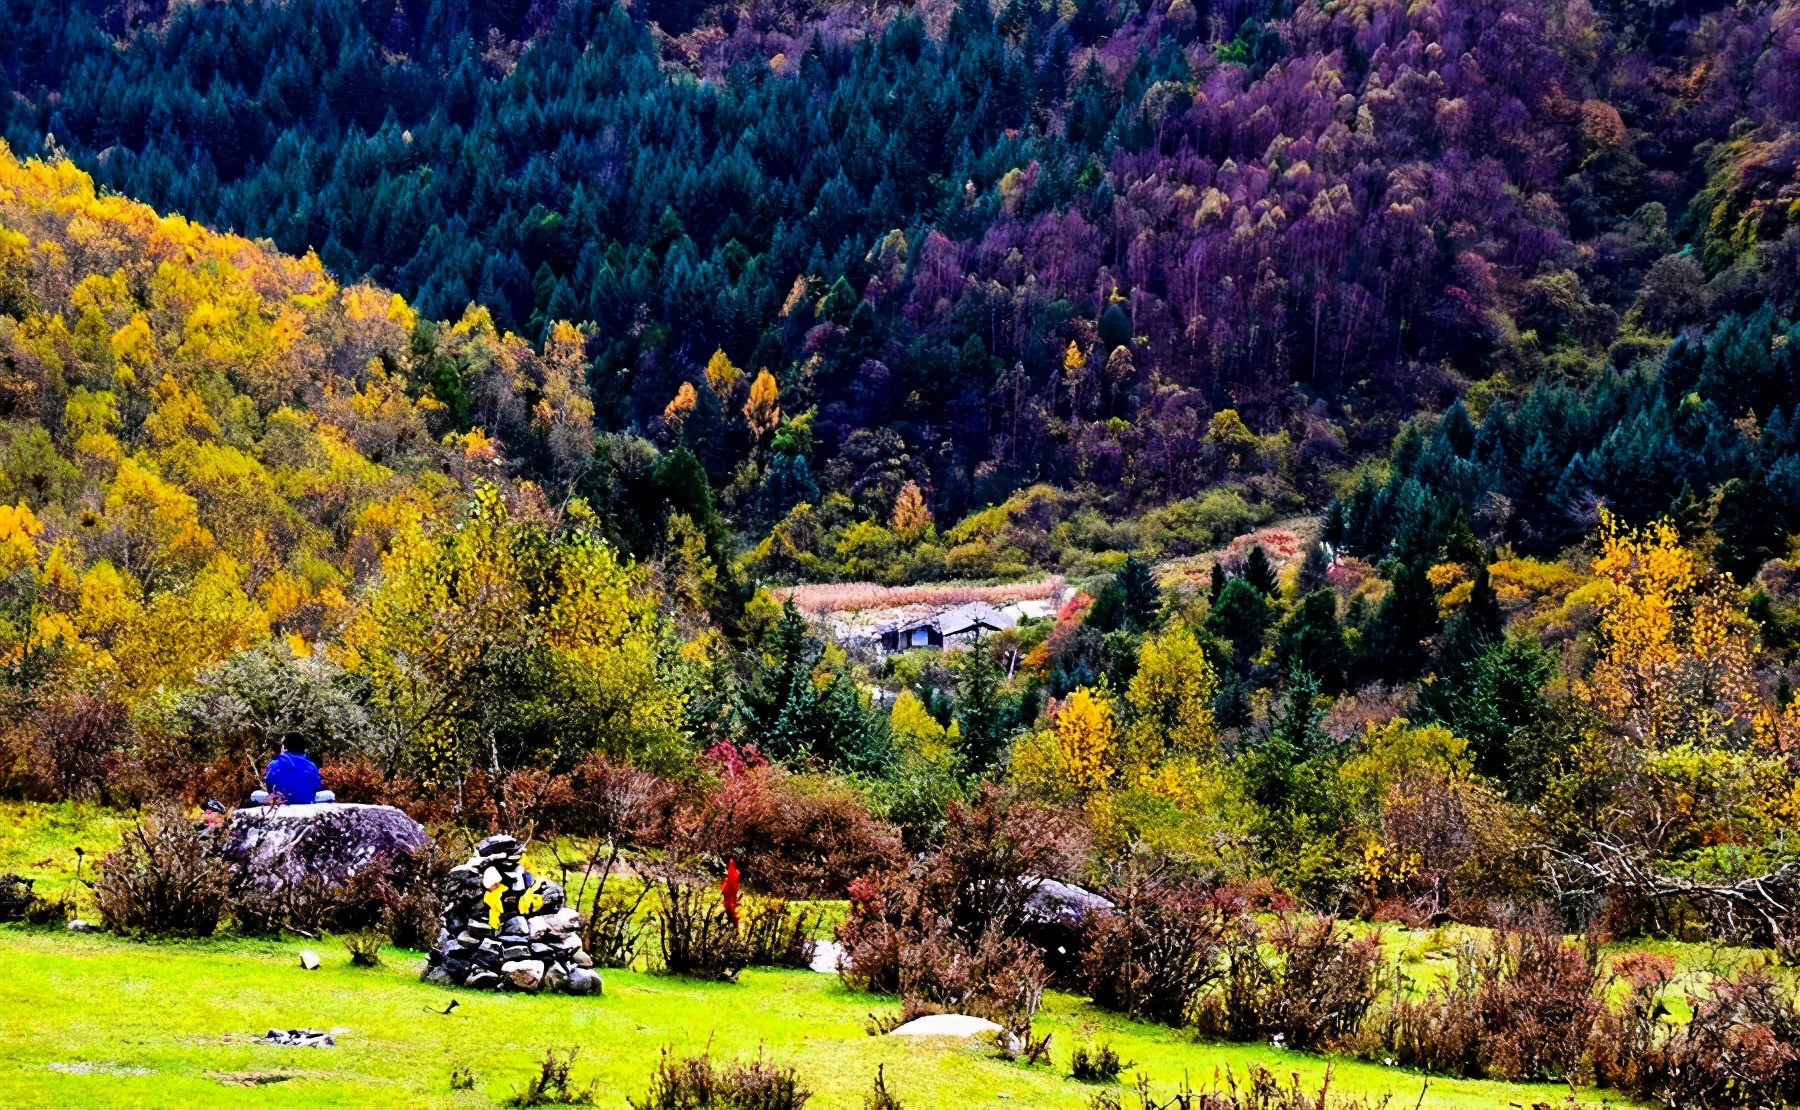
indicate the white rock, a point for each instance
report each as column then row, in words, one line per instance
column 309, row 959
column 946, row 1025
column 561, row 923
column 825, row 956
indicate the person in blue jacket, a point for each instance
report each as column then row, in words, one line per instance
column 292, row 778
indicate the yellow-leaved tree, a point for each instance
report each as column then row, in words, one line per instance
column 494, row 643
column 912, row 516
column 1170, row 698
column 1677, row 653
column 1087, row 735
column 763, row 409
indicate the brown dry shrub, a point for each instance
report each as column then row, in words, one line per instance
column 997, row 977
column 1310, row 988
column 695, row 1081
column 1741, row 1048
column 698, row 937
column 778, row 933
column 1519, row 1006
column 1154, row 956
column 359, row 780
column 617, row 803
column 79, row 737
column 165, row 879
column 949, row 934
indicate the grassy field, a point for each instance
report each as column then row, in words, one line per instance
column 93, row 1020
column 98, row 1021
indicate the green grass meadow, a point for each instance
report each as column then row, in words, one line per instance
column 92, row 1020
column 88, row 1020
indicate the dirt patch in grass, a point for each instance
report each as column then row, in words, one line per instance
column 250, row 1078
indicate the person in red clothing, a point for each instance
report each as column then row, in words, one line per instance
column 292, row 779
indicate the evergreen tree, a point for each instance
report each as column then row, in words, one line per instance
column 1140, row 599
column 982, row 712
column 1240, row 617
column 1218, row 581
column 791, row 718
column 1393, row 644
column 1473, row 627
column 1490, row 698
column 1312, row 641
column 1259, row 572
column 1315, row 569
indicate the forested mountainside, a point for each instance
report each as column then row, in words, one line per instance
column 1136, row 249
column 452, row 387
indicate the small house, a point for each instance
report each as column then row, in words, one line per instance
column 950, row 627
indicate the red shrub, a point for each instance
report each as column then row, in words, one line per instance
column 1742, row 1047
column 78, row 737
column 795, row 836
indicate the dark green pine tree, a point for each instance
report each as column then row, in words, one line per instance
column 1393, row 644
column 1314, row 569
column 1218, row 581
column 1259, row 572
column 1474, row 626
column 982, row 712
column 1311, row 640
column 790, row 718
column 1140, row 599
column 1240, row 617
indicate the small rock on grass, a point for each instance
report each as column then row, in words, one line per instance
column 309, row 959
column 583, row 981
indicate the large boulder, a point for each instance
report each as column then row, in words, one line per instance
column 281, row 845
column 1065, row 904
column 1054, row 918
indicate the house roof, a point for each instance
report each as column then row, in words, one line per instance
column 960, row 620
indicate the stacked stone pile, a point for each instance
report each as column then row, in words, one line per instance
column 504, row 929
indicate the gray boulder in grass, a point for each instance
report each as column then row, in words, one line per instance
column 280, row 845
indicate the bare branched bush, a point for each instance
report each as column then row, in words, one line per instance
column 695, row 1082
column 1096, row 1065
column 1741, row 1048
column 1260, row 1089
column 551, row 1086
column 879, row 1097
column 1158, row 951
column 1309, row 989
column 166, row 879
column 778, row 933
column 1521, row 1006
column 698, row 936
column 78, row 735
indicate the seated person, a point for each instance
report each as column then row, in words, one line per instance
column 292, row 779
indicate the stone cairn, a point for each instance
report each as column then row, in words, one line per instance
column 506, row 930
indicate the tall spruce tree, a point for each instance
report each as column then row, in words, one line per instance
column 790, row 717
column 1312, row 640
column 982, row 712
column 1240, row 617
column 1394, row 642
column 1259, row 572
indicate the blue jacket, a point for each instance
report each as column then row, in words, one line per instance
column 294, row 777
